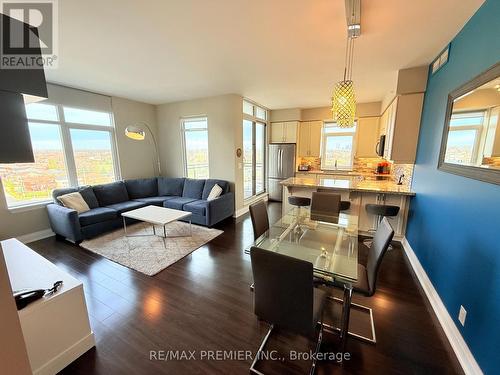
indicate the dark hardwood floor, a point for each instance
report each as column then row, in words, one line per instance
column 203, row 302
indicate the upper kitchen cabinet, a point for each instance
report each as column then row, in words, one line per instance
column 367, row 136
column 284, row 132
column 310, row 138
column 401, row 124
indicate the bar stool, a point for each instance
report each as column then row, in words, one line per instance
column 299, row 202
column 381, row 210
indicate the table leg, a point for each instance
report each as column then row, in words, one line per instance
column 124, row 226
column 190, row 229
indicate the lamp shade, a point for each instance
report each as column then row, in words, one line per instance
column 344, row 104
column 135, row 133
column 15, row 141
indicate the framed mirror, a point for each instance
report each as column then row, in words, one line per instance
column 470, row 145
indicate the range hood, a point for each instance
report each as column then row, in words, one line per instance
column 17, row 87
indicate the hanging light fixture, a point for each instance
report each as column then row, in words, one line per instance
column 343, row 98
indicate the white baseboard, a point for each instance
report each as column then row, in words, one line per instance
column 243, row 210
column 35, row 236
column 58, row 363
column 462, row 351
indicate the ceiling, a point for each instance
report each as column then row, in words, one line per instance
column 279, row 53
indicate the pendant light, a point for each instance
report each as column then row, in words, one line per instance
column 343, row 98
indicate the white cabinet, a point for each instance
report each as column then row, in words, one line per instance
column 401, row 125
column 310, row 138
column 284, row 132
column 367, row 136
column 56, row 328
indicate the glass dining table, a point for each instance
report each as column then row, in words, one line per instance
column 332, row 247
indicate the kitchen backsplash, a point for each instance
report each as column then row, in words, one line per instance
column 314, row 163
column 493, row 161
column 367, row 165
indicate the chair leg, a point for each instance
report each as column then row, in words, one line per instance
column 372, row 340
column 318, row 347
column 266, row 338
column 261, row 349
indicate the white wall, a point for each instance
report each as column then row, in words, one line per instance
column 225, row 118
column 135, row 158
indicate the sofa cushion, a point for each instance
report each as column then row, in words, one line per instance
column 193, row 188
column 177, row 203
column 210, row 183
column 142, row 188
column 86, row 191
column 112, row 193
column 170, row 186
column 198, row 207
column 157, row 201
column 63, row 191
column 97, row 215
column 88, row 195
column 74, row 201
column 126, row 206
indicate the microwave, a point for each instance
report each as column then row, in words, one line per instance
column 379, row 148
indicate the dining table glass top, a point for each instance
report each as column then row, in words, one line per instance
column 332, row 247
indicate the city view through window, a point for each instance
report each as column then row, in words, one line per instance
column 196, row 147
column 338, row 146
column 90, row 162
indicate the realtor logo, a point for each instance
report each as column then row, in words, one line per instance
column 21, row 44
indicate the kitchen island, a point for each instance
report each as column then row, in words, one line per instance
column 359, row 191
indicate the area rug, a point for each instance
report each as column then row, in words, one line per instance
column 150, row 254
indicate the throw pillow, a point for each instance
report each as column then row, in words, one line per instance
column 214, row 193
column 74, row 201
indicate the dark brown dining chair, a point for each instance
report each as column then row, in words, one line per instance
column 344, row 205
column 285, row 297
column 325, row 207
column 260, row 219
column 368, row 275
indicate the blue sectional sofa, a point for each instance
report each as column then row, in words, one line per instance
column 108, row 201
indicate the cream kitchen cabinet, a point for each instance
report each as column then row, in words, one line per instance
column 310, row 138
column 284, row 132
column 401, row 125
column 367, row 137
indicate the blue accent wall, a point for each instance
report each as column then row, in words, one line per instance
column 454, row 225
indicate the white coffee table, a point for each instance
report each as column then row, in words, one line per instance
column 155, row 215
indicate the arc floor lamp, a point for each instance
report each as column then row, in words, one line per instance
column 137, row 132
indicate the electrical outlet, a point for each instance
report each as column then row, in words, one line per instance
column 461, row 315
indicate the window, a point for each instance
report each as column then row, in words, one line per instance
column 464, row 137
column 195, row 140
column 337, row 149
column 254, row 110
column 93, row 156
column 254, row 150
column 67, row 153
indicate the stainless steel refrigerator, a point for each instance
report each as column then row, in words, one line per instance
column 281, row 166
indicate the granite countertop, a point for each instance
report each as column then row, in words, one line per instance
column 351, row 184
column 341, row 172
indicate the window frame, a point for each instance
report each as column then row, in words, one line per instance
column 477, row 128
column 346, row 132
column 256, row 120
column 67, row 148
column 183, row 140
